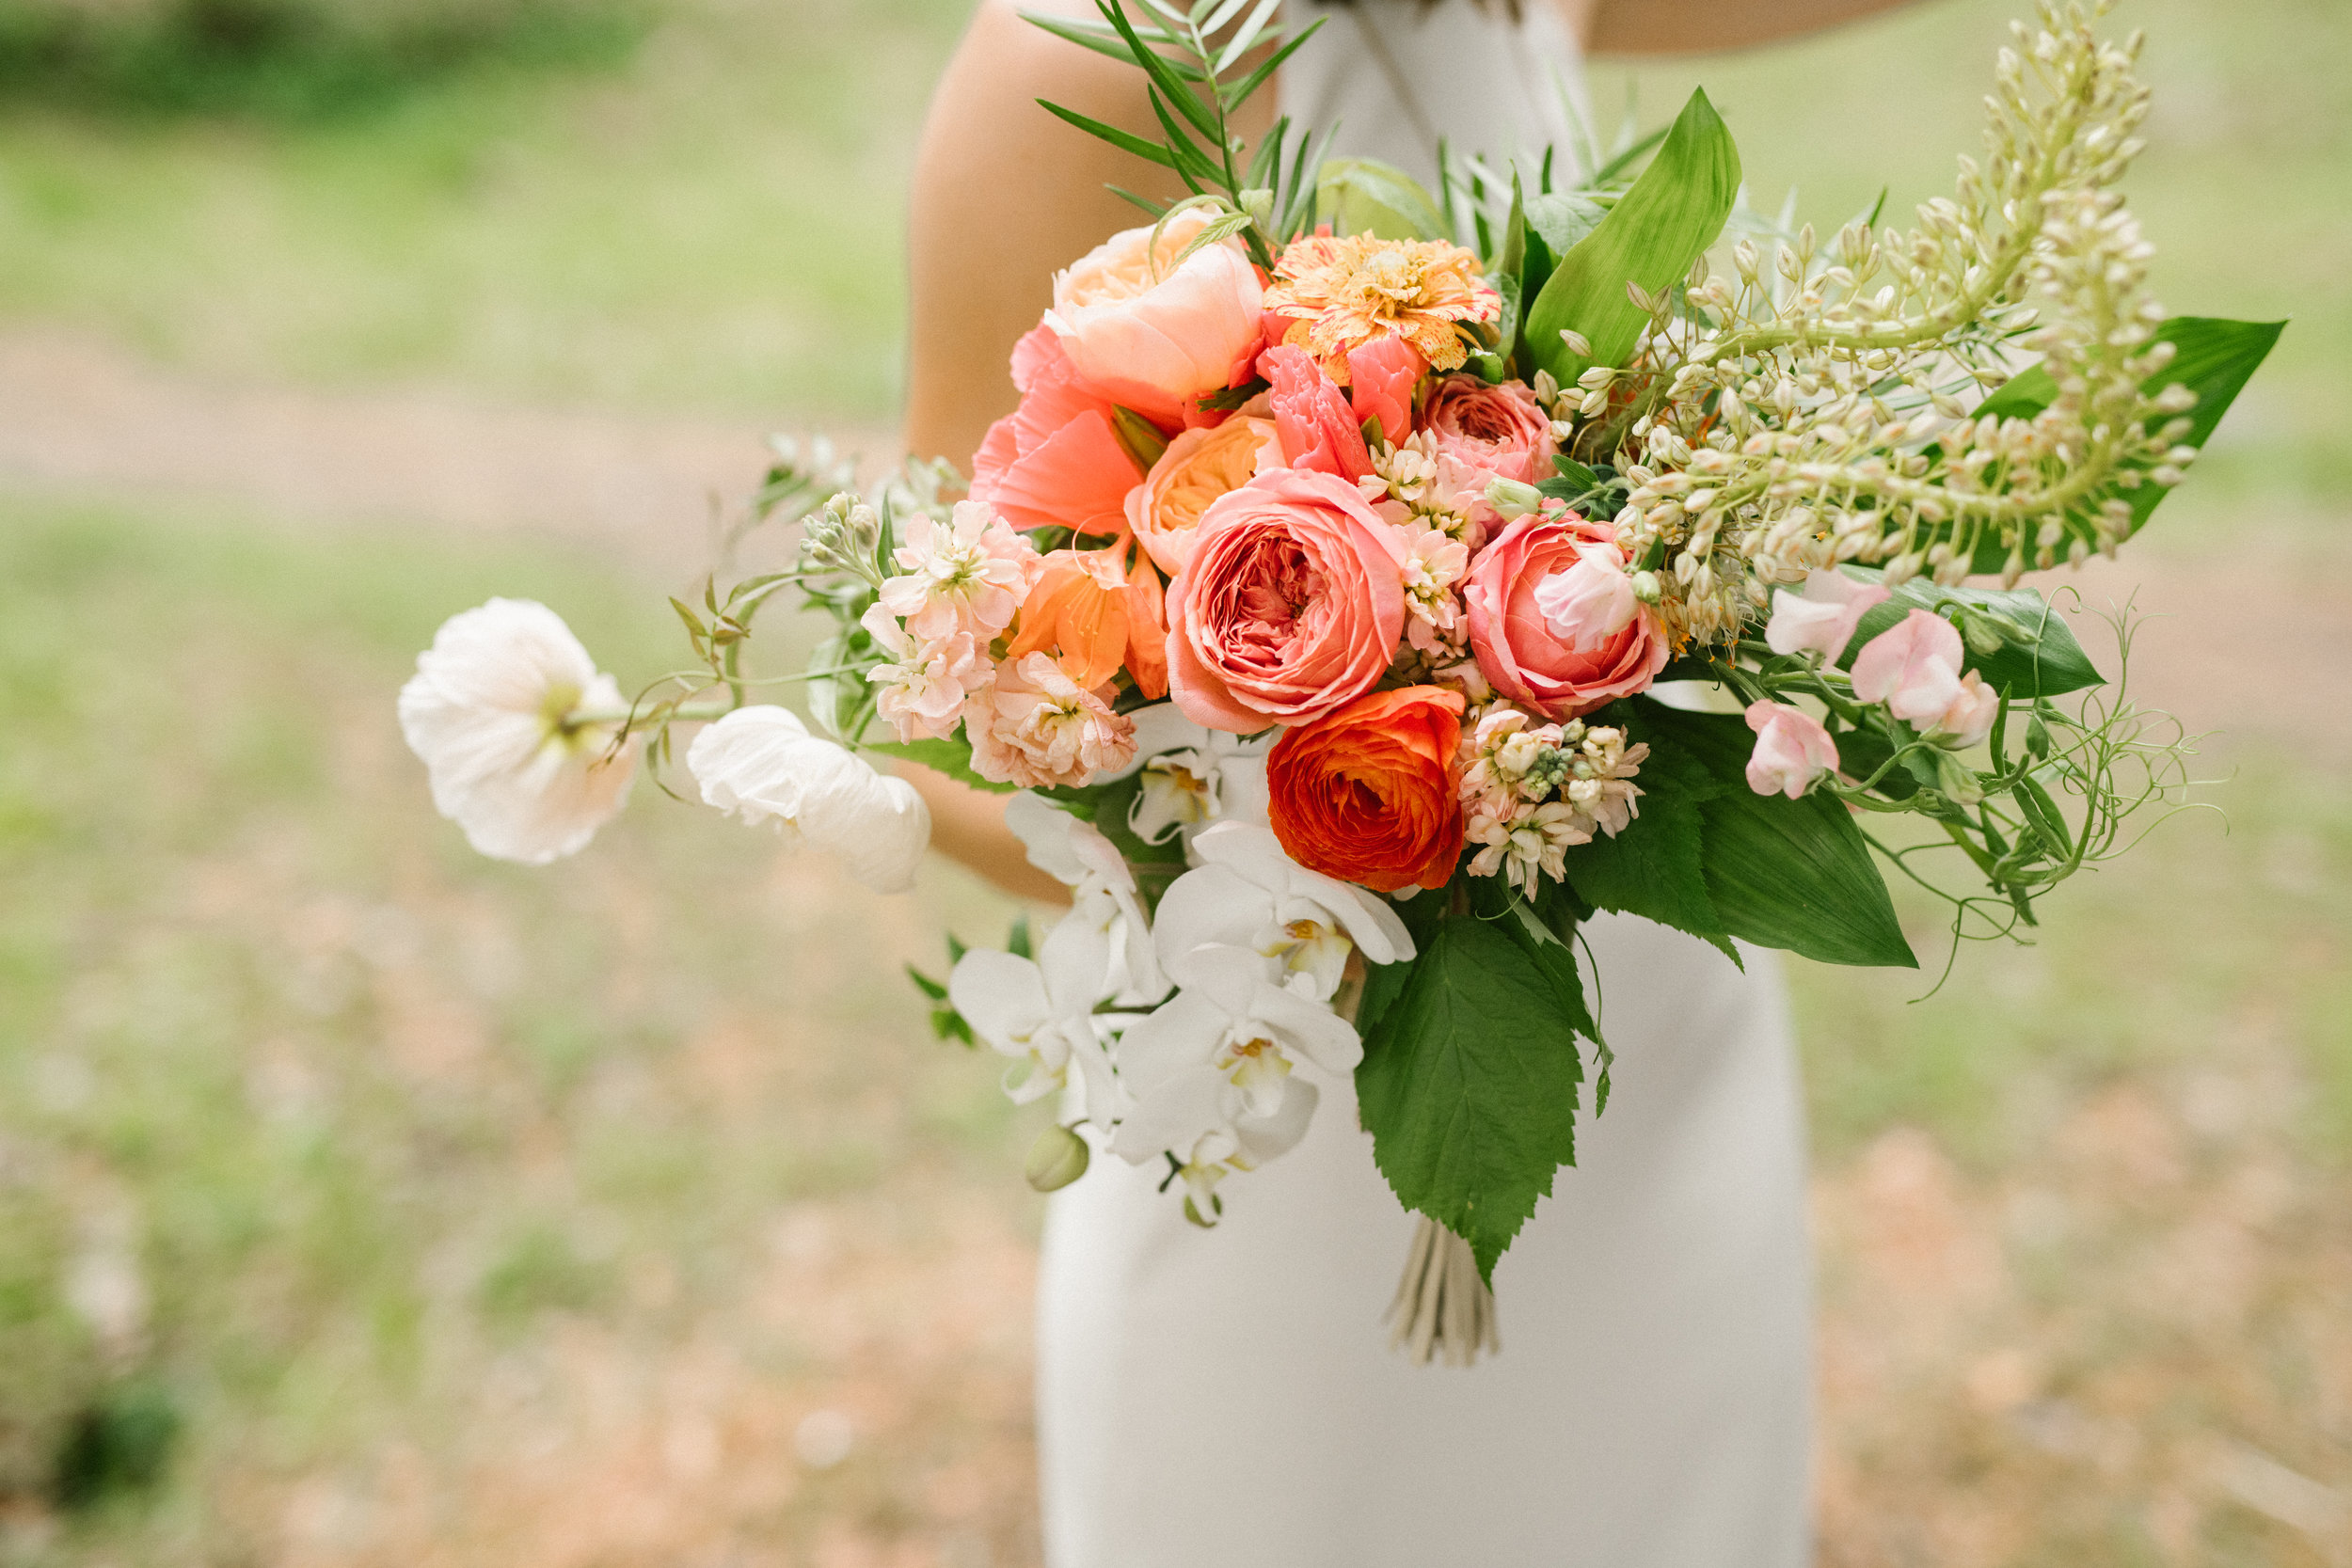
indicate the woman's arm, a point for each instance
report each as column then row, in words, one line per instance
column 1703, row 27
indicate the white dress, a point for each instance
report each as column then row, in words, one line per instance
column 1228, row 1398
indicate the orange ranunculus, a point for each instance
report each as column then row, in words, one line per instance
column 1095, row 616
column 1368, row 792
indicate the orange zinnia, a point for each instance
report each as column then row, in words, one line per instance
column 1369, row 793
column 1342, row 294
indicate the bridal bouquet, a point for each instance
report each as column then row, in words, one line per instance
column 1373, row 583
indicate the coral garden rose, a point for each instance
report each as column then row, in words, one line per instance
column 1199, row 466
column 1150, row 332
column 1291, row 605
column 1556, row 666
column 1368, row 793
column 1500, row 431
column 1056, row 460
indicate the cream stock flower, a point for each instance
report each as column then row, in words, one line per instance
column 923, row 691
column 1038, row 728
column 490, row 711
column 967, row 574
column 761, row 764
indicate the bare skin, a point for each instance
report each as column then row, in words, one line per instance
column 1005, row 195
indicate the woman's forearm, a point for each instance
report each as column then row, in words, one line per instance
column 968, row 827
column 1701, row 26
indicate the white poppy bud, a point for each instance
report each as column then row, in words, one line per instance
column 762, row 765
column 491, row 711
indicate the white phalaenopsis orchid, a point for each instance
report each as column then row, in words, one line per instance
column 1211, row 1072
column 494, row 711
column 1192, row 775
column 1102, row 893
column 1041, row 1013
column 762, row 765
column 1247, row 892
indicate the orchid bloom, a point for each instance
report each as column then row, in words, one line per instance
column 1823, row 619
column 1212, row 1070
column 1102, row 894
column 1248, row 894
column 1192, row 775
column 1041, row 1013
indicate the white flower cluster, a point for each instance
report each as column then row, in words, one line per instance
column 1825, row 415
column 1533, row 791
column 1182, row 1036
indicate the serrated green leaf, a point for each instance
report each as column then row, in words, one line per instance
column 2212, row 356
column 1781, row 872
column 1364, row 196
column 1669, row 217
column 1470, row 1080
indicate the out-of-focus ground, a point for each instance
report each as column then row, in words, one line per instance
column 622, row 1211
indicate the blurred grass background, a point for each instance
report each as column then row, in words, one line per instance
column 363, row 1202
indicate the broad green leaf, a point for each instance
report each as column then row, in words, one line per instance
column 951, row 757
column 2212, row 356
column 1364, row 196
column 1782, row 872
column 1470, row 1080
column 2038, row 656
column 1657, row 867
column 1669, row 217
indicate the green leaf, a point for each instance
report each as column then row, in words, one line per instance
column 2038, row 656
column 1470, row 1080
column 1789, row 874
column 1555, row 224
column 1237, row 93
column 1125, row 141
column 2212, row 356
column 951, row 757
column 1657, row 867
column 1101, row 38
column 1669, row 217
column 1166, row 77
column 1359, row 195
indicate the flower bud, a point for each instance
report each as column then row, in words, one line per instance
column 1646, row 587
column 1513, row 499
column 1058, row 1158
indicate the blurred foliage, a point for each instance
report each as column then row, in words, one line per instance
column 296, row 61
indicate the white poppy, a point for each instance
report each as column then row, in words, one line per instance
column 1192, row 775
column 1041, row 1014
column 490, row 711
column 1103, row 891
column 1210, row 1070
column 762, row 765
column 1247, row 893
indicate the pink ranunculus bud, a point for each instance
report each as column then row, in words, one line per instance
column 1153, row 333
column 1592, row 600
column 1823, row 618
column 1381, row 377
column 1318, row 429
column 1792, row 750
column 1913, row 667
column 1970, row 718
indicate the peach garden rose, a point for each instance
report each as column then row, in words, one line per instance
column 1154, row 333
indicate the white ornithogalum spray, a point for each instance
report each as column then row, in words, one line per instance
column 515, row 725
column 1826, row 414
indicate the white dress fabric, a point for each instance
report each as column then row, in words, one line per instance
column 1228, row 1396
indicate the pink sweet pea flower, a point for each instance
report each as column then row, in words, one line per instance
column 1792, row 750
column 1823, row 620
column 1970, row 718
column 1057, row 458
column 1913, row 667
column 1289, row 605
column 1382, row 375
column 1591, row 601
column 1317, row 427
column 1154, row 334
